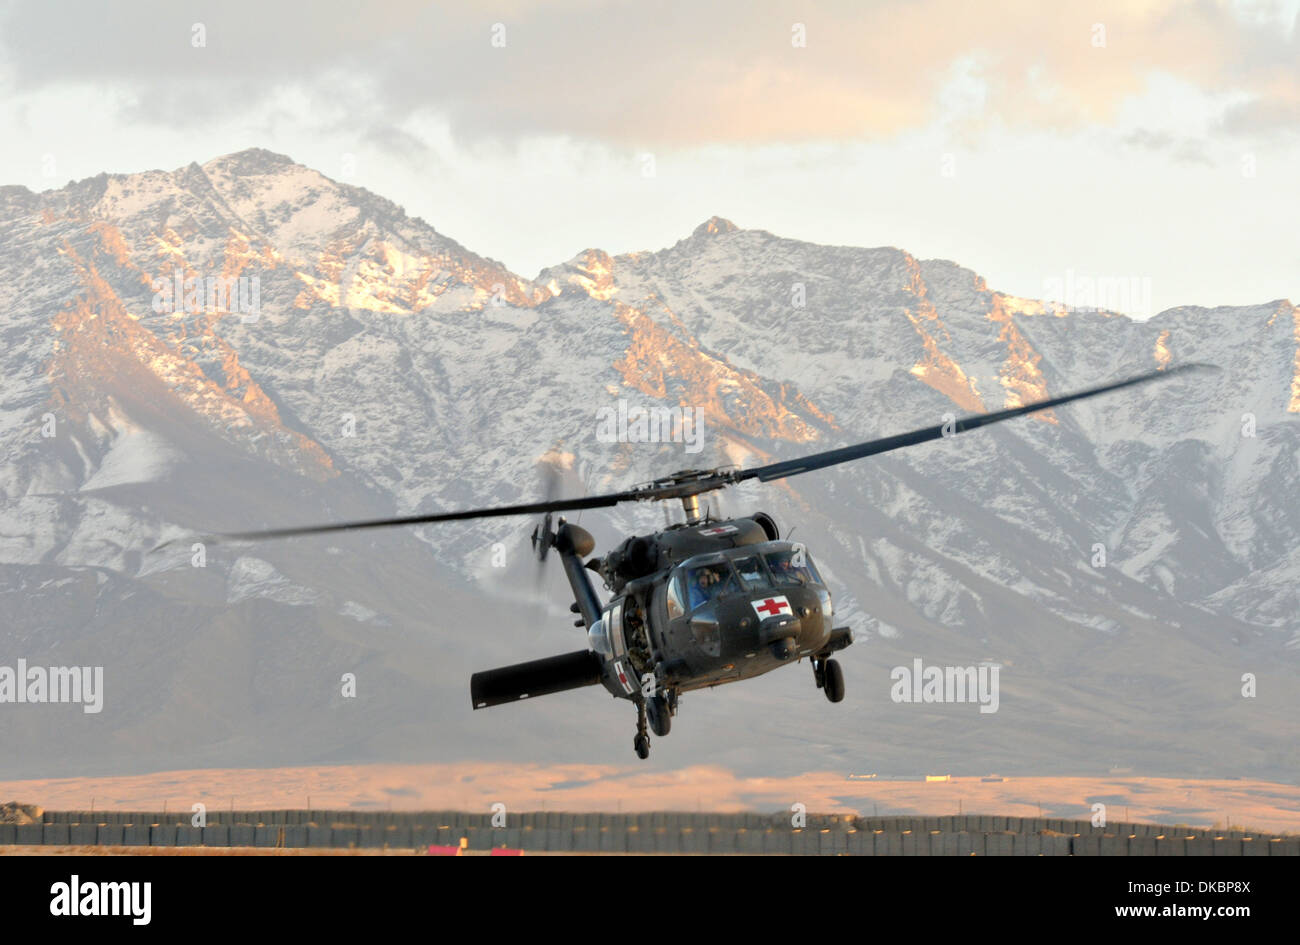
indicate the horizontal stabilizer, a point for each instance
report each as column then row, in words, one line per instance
column 535, row 678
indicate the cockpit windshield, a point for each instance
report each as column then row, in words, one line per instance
column 792, row 566
column 709, row 581
column 743, row 572
column 751, row 571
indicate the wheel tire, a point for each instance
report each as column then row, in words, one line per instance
column 642, row 746
column 661, row 720
column 834, row 686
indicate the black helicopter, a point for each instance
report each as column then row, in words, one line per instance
column 700, row 603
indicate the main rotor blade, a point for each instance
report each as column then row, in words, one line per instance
column 559, row 505
column 794, row 467
column 710, row 480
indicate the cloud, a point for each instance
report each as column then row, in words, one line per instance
column 1182, row 150
column 1263, row 117
column 672, row 74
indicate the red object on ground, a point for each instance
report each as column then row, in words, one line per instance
column 506, row 851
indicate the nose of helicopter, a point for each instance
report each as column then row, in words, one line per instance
column 796, row 624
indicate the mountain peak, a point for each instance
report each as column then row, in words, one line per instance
column 715, row 225
column 252, row 160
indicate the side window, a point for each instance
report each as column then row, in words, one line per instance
column 812, row 568
column 675, row 606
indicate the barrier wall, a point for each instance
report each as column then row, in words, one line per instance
column 659, row 832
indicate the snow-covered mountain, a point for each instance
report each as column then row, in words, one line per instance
column 1126, row 560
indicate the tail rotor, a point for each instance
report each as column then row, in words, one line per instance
column 543, row 537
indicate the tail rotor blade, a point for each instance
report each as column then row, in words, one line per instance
column 544, row 534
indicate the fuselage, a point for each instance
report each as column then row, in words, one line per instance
column 706, row 604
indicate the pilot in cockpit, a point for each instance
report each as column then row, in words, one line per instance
column 787, row 570
column 707, row 583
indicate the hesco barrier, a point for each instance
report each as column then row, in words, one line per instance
column 663, row 832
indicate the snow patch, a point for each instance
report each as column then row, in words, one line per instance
column 136, row 456
column 253, row 577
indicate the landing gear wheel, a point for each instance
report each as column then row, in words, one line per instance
column 641, row 743
column 833, row 683
column 661, row 719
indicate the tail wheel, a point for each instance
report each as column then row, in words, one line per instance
column 834, row 681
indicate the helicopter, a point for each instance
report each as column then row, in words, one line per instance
column 701, row 603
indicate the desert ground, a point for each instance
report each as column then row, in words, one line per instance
column 1258, row 805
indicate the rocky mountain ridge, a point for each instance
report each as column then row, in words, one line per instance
column 1126, row 559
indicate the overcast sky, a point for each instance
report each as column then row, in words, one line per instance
column 1032, row 142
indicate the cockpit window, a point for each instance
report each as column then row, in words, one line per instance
column 792, row 567
column 751, row 571
column 709, row 581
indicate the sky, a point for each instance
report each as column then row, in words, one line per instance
column 1041, row 145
